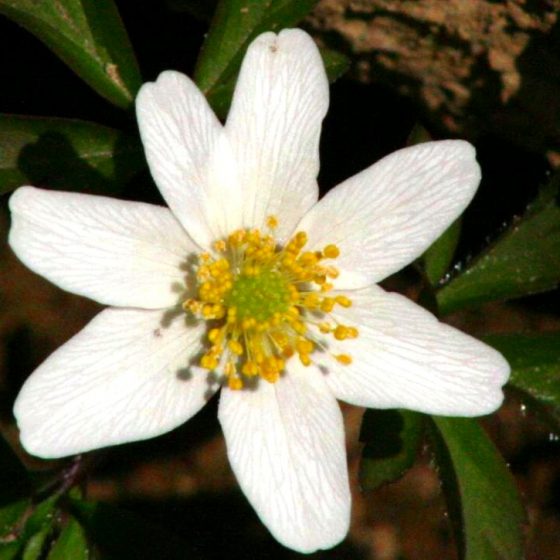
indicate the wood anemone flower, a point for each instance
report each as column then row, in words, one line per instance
column 247, row 282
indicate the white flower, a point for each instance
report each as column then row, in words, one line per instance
column 134, row 373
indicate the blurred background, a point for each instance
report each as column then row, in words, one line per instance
column 484, row 70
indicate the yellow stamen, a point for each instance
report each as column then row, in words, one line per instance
column 235, row 383
column 343, row 301
column 220, row 245
column 236, row 347
column 331, row 252
column 344, row 359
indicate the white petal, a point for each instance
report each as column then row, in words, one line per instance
column 188, row 155
column 285, row 444
column 385, row 216
column 405, row 358
column 274, row 126
column 114, row 251
column 125, row 377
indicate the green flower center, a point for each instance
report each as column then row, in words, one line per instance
column 259, row 296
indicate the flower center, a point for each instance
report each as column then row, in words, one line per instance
column 259, row 295
column 264, row 303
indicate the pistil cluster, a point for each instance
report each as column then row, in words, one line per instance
column 260, row 300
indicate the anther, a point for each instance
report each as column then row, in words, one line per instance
column 235, row 383
column 220, row 245
column 236, row 347
column 344, row 359
column 343, row 301
column 331, row 252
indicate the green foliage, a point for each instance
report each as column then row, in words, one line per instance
column 11, row 513
column 88, row 36
column 335, row 63
column 71, row 544
column 65, row 154
column 482, row 499
column 37, row 529
column 535, row 363
column 35, row 545
column 391, row 438
column 439, row 256
column 9, row 550
column 524, row 260
column 235, row 24
column 43, row 528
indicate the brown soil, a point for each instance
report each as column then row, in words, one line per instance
column 473, row 66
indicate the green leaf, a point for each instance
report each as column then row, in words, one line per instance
column 71, row 544
column 336, row 64
column 9, row 550
column 65, row 154
column 88, row 35
column 29, row 541
column 122, row 534
column 35, row 545
column 391, row 438
column 439, row 256
column 41, row 518
column 535, row 363
column 11, row 523
column 481, row 495
column 11, row 516
column 524, row 260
